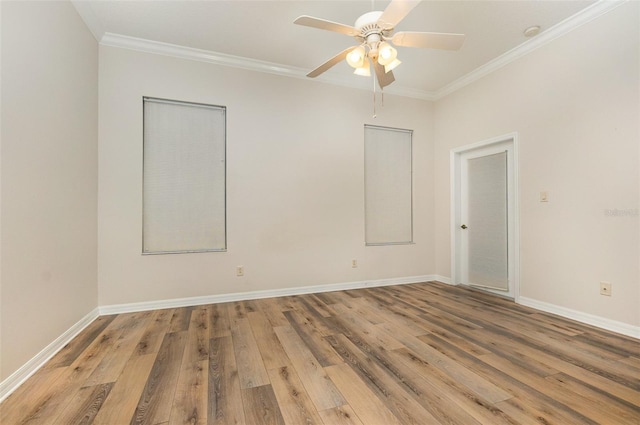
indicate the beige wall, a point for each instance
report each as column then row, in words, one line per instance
column 575, row 106
column 49, row 176
column 295, row 182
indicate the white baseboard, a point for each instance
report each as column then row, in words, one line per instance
column 590, row 319
column 19, row 376
column 255, row 295
column 444, row 279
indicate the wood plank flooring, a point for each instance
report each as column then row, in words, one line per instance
column 418, row 354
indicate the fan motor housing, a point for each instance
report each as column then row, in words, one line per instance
column 368, row 25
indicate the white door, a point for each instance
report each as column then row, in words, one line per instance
column 484, row 218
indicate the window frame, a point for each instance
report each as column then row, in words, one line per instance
column 146, row 99
column 411, row 232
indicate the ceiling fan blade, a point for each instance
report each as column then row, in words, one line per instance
column 323, row 24
column 384, row 78
column 396, row 12
column 330, row 63
column 429, row 40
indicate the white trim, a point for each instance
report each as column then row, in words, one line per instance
column 16, row 379
column 584, row 16
column 223, row 59
column 443, row 279
column 590, row 319
column 256, row 295
column 454, row 167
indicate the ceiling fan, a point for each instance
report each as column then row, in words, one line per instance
column 374, row 33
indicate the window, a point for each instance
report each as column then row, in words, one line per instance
column 184, row 205
column 388, row 186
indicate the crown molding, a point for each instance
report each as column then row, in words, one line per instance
column 223, row 59
column 585, row 16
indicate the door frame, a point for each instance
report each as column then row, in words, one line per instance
column 510, row 140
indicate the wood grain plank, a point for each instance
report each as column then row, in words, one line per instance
column 376, row 362
column 320, row 306
column 482, row 387
column 570, row 400
column 443, row 389
column 367, row 406
column 180, row 320
column 313, row 338
column 251, row 368
column 273, row 355
column 122, row 401
column 198, row 342
column 31, row 396
column 155, row 402
column 602, row 407
column 116, row 359
column 77, row 345
column 272, row 312
column 58, row 396
column 85, row 405
column 240, row 309
column 296, row 405
column 389, row 386
column 224, row 399
column 313, row 317
column 501, row 342
column 190, row 401
column 219, row 320
column 538, row 403
column 355, row 324
column 322, row 391
column 342, row 415
column 154, row 334
column 261, row 406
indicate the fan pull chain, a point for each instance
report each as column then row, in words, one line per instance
column 374, row 98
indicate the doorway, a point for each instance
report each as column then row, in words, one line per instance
column 484, row 216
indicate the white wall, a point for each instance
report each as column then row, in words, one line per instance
column 49, row 176
column 295, row 182
column 575, row 105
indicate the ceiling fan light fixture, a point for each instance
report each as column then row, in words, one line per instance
column 386, row 53
column 364, row 70
column 355, row 58
column 392, row 65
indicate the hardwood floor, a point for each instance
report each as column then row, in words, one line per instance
column 413, row 354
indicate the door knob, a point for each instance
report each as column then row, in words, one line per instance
column 464, row 226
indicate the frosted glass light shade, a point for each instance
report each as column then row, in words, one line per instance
column 363, row 70
column 386, row 54
column 392, row 65
column 355, row 58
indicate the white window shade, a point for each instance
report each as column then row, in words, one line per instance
column 388, row 186
column 184, row 177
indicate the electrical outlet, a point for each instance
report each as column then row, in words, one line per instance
column 605, row 288
column 240, row 271
column 354, row 263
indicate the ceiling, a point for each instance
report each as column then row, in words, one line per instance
column 264, row 31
